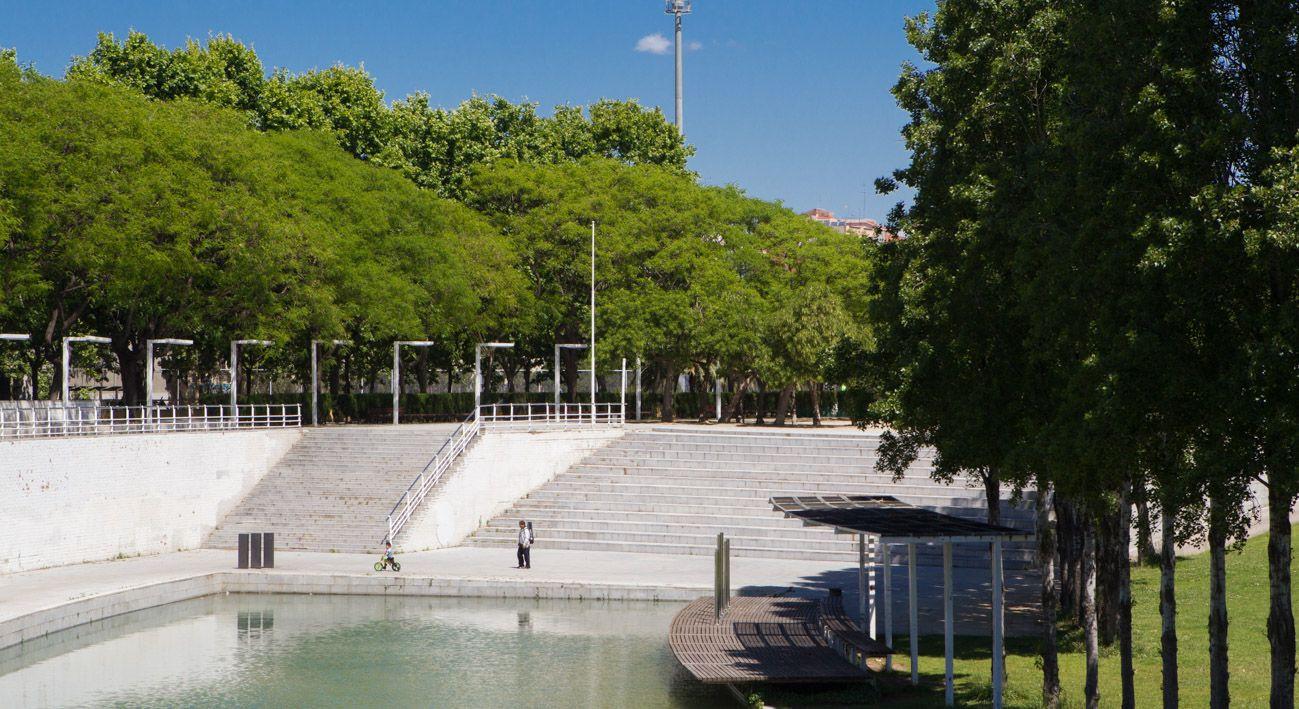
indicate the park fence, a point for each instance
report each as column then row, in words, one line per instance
column 80, row 419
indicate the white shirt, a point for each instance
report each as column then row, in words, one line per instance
column 525, row 537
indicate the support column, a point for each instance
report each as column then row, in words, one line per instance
column 912, row 615
column 873, row 592
column 949, row 650
column 396, row 381
column 861, row 580
column 638, row 388
column 888, row 604
column 315, row 379
column 998, row 619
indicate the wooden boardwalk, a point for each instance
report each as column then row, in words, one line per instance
column 762, row 639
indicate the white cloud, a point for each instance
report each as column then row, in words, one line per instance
column 695, row 46
column 653, row 43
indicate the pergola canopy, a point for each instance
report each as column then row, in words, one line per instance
column 890, row 519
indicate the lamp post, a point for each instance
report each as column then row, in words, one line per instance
column 148, row 369
column 592, row 348
column 15, row 337
column 234, row 370
column 66, row 354
column 396, row 372
column 315, row 377
column 559, row 347
column 478, row 369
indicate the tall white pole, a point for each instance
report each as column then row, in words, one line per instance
column 315, row 382
column 234, row 377
column 556, row 380
column 888, row 604
column 638, row 388
column 478, row 378
column 949, row 693
column 622, row 393
column 65, row 370
column 396, row 381
column 913, row 620
column 593, row 321
column 148, row 377
column 998, row 617
column 681, row 126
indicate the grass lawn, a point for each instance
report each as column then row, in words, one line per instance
column 1247, row 607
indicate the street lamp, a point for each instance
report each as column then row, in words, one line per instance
column 396, row 370
column 234, row 370
column 69, row 340
column 148, row 370
column 13, row 337
column 478, row 369
column 315, row 378
column 558, row 347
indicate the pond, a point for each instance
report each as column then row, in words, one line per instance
column 295, row 651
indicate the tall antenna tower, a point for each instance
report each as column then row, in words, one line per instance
column 678, row 8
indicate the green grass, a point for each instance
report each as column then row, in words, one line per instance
column 1247, row 608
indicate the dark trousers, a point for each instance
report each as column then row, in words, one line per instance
column 525, row 557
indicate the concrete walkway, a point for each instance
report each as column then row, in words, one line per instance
column 35, row 603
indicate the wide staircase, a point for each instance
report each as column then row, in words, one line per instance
column 333, row 490
column 671, row 489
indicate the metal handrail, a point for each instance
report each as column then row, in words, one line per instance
column 549, row 415
column 431, row 474
column 493, row 416
column 80, row 420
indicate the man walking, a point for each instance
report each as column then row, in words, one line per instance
column 525, row 546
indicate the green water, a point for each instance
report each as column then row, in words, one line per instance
column 358, row 651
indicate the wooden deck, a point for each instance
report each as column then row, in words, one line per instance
column 761, row 639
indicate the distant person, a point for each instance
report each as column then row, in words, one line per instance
column 525, row 546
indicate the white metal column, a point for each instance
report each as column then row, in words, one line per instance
column 638, row 388
column 861, row 579
column 998, row 618
column 874, row 606
column 888, row 604
column 912, row 615
column 948, row 622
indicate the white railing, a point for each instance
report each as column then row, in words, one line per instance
column 551, row 415
column 79, row 420
column 431, row 474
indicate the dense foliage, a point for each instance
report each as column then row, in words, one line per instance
column 1098, row 294
column 165, row 193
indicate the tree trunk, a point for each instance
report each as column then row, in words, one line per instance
column 1146, row 553
column 1091, row 645
column 421, row 370
column 1046, row 553
column 1125, row 596
column 782, row 404
column 814, row 394
column 1111, row 557
column 1168, row 605
column 571, row 373
column 669, row 388
column 736, row 404
column 1219, row 694
column 36, row 376
column 760, row 403
column 992, row 495
column 130, row 365
column 1280, row 616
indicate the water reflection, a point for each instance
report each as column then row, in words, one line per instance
column 362, row 651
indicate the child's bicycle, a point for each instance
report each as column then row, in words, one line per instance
column 383, row 563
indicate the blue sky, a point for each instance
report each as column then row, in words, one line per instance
column 789, row 101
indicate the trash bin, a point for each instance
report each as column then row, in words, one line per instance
column 256, row 548
column 268, row 550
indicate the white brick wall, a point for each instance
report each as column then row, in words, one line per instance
column 64, row 501
column 501, row 467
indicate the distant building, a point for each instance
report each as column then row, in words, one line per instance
column 860, row 227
